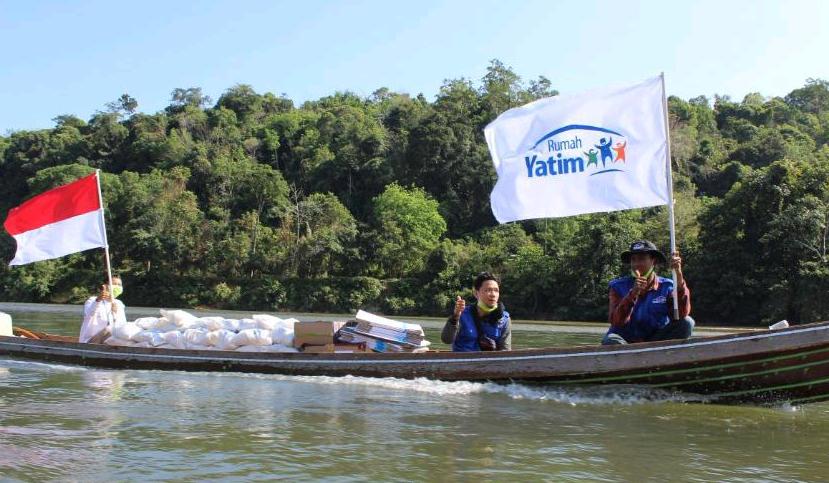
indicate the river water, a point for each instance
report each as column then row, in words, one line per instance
column 70, row 423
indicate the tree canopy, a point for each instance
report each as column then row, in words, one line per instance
column 382, row 202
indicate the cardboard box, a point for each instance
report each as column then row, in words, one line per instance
column 315, row 333
column 318, row 349
column 346, row 347
column 339, row 347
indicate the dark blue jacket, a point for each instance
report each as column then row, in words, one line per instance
column 496, row 326
column 651, row 311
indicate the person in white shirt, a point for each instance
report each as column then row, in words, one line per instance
column 101, row 311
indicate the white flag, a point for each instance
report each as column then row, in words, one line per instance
column 603, row 150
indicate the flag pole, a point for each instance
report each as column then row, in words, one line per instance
column 670, row 181
column 106, row 242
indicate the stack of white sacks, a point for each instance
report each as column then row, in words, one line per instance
column 177, row 329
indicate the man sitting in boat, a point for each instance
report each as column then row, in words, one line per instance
column 100, row 310
column 483, row 326
column 641, row 304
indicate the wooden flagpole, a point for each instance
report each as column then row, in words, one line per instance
column 106, row 242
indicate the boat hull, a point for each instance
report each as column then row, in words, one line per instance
column 765, row 367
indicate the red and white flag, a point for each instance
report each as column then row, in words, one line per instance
column 63, row 220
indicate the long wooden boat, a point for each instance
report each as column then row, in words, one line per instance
column 761, row 367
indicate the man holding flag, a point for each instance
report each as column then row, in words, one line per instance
column 99, row 312
column 640, row 302
column 61, row 221
column 546, row 159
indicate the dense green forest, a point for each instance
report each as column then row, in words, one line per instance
column 382, row 203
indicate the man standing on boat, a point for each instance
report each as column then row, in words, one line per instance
column 100, row 310
column 484, row 326
column 641, row 304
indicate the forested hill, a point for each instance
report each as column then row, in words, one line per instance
column 382, row 203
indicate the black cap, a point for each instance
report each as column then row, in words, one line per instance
column 643, row 246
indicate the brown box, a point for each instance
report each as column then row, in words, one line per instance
column 346, row 347
column 316, row 349
column 315, row 333
column 341, row 347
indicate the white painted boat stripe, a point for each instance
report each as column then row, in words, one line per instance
column 684, row 346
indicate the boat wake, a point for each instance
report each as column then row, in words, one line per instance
column 584, row 395
column 8, row 363
column 573, row 395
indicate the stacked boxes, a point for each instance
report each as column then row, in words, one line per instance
column 319, row 337
column 384, row 335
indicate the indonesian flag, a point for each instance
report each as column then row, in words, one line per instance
column 64, row 220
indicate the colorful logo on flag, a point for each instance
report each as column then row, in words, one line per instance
column 577, row 148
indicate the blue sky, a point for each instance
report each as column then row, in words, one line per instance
column 74, row 57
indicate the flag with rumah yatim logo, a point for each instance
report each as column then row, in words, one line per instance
column 603, row 150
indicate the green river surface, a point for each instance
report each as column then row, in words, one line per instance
column 66, row 423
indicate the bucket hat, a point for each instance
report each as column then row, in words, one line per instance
column 643, row 246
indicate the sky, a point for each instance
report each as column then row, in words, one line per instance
column 73, row 57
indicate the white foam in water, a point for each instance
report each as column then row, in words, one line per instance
column 40, row 365
column 788, row 407
column 585, row 395
column 559, row 394
column 599, row 395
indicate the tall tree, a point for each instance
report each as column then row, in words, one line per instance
column 408, row 228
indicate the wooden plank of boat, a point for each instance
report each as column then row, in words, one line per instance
column 761, row 366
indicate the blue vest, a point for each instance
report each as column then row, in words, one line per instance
column 467, row 338
column 651, row 311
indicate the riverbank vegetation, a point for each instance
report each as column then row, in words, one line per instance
column 382, row 202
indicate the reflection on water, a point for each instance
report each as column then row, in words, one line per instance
column 80, row 424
